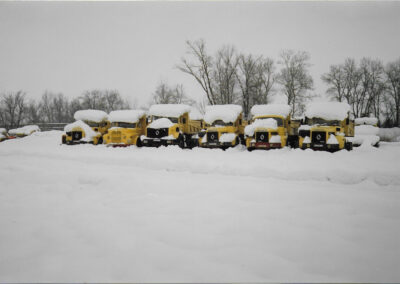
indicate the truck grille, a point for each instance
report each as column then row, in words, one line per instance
column 76, row 135
column 212, row 136
column 262, row 137
column 318, row 137
column 157, row 133
column 116, row 137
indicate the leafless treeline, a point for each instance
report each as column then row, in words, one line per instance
column 370, row 87
column 16, row 110
column 230, row 77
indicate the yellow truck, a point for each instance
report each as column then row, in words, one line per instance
column 224, row 127
column 172, row 124
column 89, row 127
column 327, row 126
column 271, row 127
column 126, row 128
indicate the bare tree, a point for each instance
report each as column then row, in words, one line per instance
column 13, row 107
column 392, row 72
column 200, row 69
column 335, row 79
column 294, row 77
column 33, row 112
column 93, row 99
column 165, row 94
column 224, row 75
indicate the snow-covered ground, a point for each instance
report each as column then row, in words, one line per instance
column 92, row 213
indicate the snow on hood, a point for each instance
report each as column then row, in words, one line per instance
column 91, row 115
column 194, row 114
column 307, row 140
column 226, row 113
column 366, row 120
column 366, row 130
column 260, row 123
column 270, row 109
column 305, row 127
column 161, row 123
column 227, row 137
column 169, row 110
column 128, row 116
column 328, row 110
column 26, row 130
column 89, row 132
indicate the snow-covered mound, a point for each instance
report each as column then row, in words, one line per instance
column 89, row 132
column 3, row 130
column 2, row 136
column 366, row 130
column 270, row 109
column 169, row 110
column 26, row 130
column 91, row 115
column 269, row 123
column 390, row 134
column 366, row 121
column 128, row 116
column 161, row 123
column 365, row 135
column 226, row 113
column 328, row 110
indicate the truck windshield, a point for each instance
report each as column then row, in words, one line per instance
column 92, row 123
column 321, row 121
column 123, row 124
column 279, row 121
column 219, row 122
column 173, row 119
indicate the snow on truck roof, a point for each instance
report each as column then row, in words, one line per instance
column 91, row 115
column 328, row 110
column 226, row 113
column 128, row 115
column 270, row 109
column 366, row 121
column 175, row 110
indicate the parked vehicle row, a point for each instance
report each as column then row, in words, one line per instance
column 326, row 126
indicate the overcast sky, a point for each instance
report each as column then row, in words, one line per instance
column 131, row 46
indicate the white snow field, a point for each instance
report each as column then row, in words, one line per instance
column 90, row 213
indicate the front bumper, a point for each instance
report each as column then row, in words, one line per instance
column 149, row 142
column 265, row 145
column 321, row 147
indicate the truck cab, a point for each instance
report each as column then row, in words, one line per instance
column 171, row 124
column 270, row 127
column 224, row 127
column 327, row 126
column 89, row 127
column 126, row 128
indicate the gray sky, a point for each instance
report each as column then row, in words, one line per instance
column 70, row 47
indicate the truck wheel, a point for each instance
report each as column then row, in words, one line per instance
column 100, row 141
column 139, row 142
column 181, row 142
column 348, row 146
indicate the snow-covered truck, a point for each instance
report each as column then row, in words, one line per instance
column 24, row 131
column 89, row 127
column 3, row 134
column 271, row 127
column 366, row 132
column 126, row 127
column 224, row 126
column 327, row 126
column 172, row 124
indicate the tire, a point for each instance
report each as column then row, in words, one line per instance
column 181, row 142
column 139, row 142
column 100, row 141
column 348, row 146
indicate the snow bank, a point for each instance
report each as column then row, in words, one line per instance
column 91, row 115
column 161, row 123
column 26, row 130
column 369, row 140
column 128, row 116
column 169, row 110
column 269, row 123
column 328, row 110
column 226, row 113
column 390, row 134
column 366, row 121
column 270, row 109
column 89, row 132
column 227, row 137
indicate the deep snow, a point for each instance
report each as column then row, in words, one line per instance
column 92, row 213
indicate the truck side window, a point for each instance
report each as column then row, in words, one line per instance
column 183, row 120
